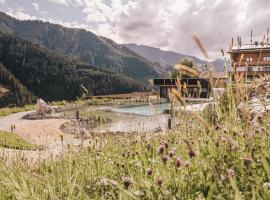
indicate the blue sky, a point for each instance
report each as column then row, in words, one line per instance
column 166, row 24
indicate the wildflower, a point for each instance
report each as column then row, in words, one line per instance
column 159, row 181
column 191, row 153
column 166, row 145
column 161, row 149
column 149, row 171
column 127, row 181
column 171, row 153
column 165, row 158
column 178, row 162
column 187, row 164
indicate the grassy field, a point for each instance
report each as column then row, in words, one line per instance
column 9, row 111
column 78, row 103
column 187, row 163
column 13, row 141
column 222, row 153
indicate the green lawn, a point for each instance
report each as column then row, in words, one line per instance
column 13, row 141
column 189, row 163
column 9, row 111
column 223, row 153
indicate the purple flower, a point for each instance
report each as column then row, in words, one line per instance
column 159, row 181
column 192, row 153
column 166, row 144
column 165, row 158
column 149, row 171
column 178, row 162
column 127, row 182
column 171, row 153
column 161, row 149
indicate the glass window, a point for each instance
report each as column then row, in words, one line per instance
column 249, row 59
column 266, row 58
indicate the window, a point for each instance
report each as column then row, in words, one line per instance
column 249, row 59
column 266, row 58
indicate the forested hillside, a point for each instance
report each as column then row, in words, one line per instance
column 17, row 93
column 85, row 45
column 53, row 76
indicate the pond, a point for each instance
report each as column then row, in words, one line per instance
column 137, row 118
column 146, row 110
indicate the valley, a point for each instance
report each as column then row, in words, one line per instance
column 83, row 116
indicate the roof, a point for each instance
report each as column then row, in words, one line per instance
column 216, row 75
column 250, row 47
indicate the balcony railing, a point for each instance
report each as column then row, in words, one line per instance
column 251, row 63
column 253, row 69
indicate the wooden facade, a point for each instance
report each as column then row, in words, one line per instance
column 251, row 59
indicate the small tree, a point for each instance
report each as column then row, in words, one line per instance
column 186, row 62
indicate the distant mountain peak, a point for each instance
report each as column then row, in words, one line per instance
column 169, row 58
column 84, row 45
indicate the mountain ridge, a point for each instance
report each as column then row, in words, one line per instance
column 53, row 76
column 84, row 45
column 169, row 58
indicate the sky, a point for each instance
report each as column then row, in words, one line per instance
column 165, row 24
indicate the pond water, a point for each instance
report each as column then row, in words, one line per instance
column 135, row 123
column 137, row 118
column 146, row 110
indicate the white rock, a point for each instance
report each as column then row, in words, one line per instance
column 42, row 108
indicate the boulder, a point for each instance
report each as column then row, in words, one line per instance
column 42, row 108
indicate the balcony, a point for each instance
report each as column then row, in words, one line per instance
column 251, row 63
column 253, row 69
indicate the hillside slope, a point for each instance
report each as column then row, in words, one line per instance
column 85, row 45
column 53, row 76
column 12, row 91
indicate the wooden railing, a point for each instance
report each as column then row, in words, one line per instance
column 252, row 63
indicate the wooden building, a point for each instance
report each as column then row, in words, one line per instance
column 190, row 87
column 252, row 59
column 219, row 79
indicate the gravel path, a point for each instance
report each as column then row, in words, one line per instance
column 40, row 132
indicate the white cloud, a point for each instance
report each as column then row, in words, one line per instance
column 36, row 6
column 2, row 1
column 167, row 24
column 20, row 13
column 62, row 2
column 74, row 3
